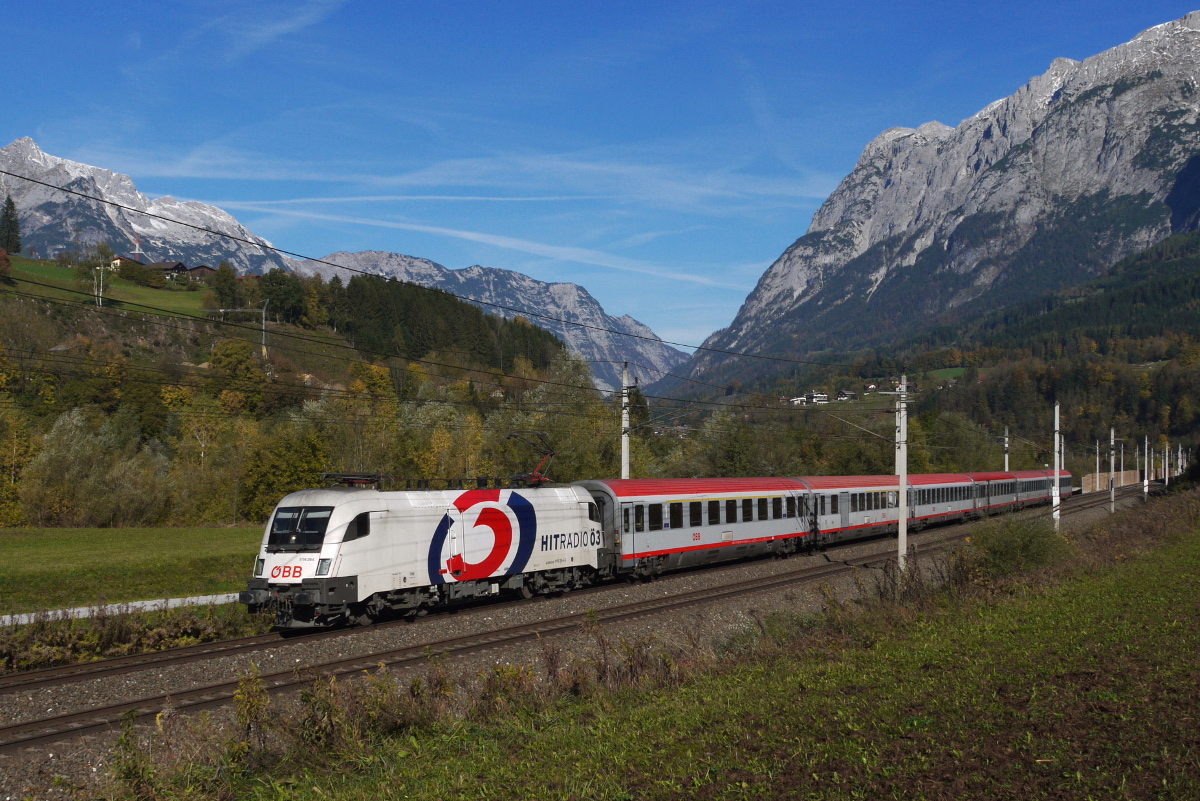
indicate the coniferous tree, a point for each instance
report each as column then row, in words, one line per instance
column 10, row 227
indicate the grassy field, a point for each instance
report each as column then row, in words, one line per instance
column 1082, row 687
column 51, row 280
column 1086, row 691
column 57, row 568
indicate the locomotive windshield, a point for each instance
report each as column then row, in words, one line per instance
column 298, row 528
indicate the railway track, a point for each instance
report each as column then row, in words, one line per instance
column 101, row 719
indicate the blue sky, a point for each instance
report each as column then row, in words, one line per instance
column 660, row 154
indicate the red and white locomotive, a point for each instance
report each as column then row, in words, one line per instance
column 352, row 554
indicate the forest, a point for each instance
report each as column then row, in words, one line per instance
column 117, row 416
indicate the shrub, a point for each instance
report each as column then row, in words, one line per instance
column 1011, row 545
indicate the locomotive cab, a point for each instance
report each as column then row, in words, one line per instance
column 299, row 572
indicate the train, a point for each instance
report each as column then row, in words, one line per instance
column 356, row 554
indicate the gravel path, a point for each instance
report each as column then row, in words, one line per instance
column 82, row 762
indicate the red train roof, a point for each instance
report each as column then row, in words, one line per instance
column 995, row 475
column 923, row 479
column 849, row 482
column 638, row 487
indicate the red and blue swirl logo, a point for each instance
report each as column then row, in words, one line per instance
column 452, row 561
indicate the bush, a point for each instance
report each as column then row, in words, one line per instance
column 1011, row 545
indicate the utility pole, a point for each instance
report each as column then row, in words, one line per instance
column 1112, row 483
column 902, row 474
column 1167, row 465
column 264, row 329
column 1006, row 449
column 1054, row 491
column 1145, row 480
column 1096, row 478
column 625, row 421
column 1146, row 475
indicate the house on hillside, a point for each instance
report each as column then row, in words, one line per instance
column 201, row 272
column 846, row 395
column 171, row 270
column 118, row 261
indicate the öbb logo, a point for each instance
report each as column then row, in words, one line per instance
column 286, row 571
column 449, row 556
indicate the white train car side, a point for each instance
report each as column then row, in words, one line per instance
column 339, row 555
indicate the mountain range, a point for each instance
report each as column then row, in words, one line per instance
column 54, row 220
column 1087, row 163
column 567, row 310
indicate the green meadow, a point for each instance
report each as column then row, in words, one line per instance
column 68, row 567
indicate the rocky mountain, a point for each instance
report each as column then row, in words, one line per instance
column 648, row 357
column 1082, row 166
column 52, row 220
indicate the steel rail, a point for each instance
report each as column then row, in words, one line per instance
column 68, row 674
column 98, row 720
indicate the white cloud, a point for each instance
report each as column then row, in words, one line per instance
column 254, row 26
column 559, row 252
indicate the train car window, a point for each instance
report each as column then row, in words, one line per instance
column 854, row 502
column 777, row 508
column 747, row 510
column 677, row 515
column 696, row 513
column 762, row 508
column 714, row 513
column 298, row 528
column 359, row 527
column 876, row 500
column 593, row 513
column 730, row 511
column 639, row 517
column 791, row 507
column 625, row 519
column 833, row 504
column 822, row 497
column 862, row 501
column 656, row 517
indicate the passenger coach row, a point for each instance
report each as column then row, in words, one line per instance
column 355, row 554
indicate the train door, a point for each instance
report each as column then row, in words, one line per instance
column 628, row 520
column 608, row 522
column 456, row 537
column 844, row 508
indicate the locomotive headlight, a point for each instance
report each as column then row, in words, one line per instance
column 258, row 566
column 323, row 567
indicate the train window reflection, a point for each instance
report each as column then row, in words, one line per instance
column 298, row 528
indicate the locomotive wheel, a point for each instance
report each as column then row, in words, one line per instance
column 360, row 615
column 526, row 591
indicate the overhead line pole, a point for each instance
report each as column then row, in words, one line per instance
column 902, row 474
column 625, row 421
column 1112, row 481
column 1054, row 492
